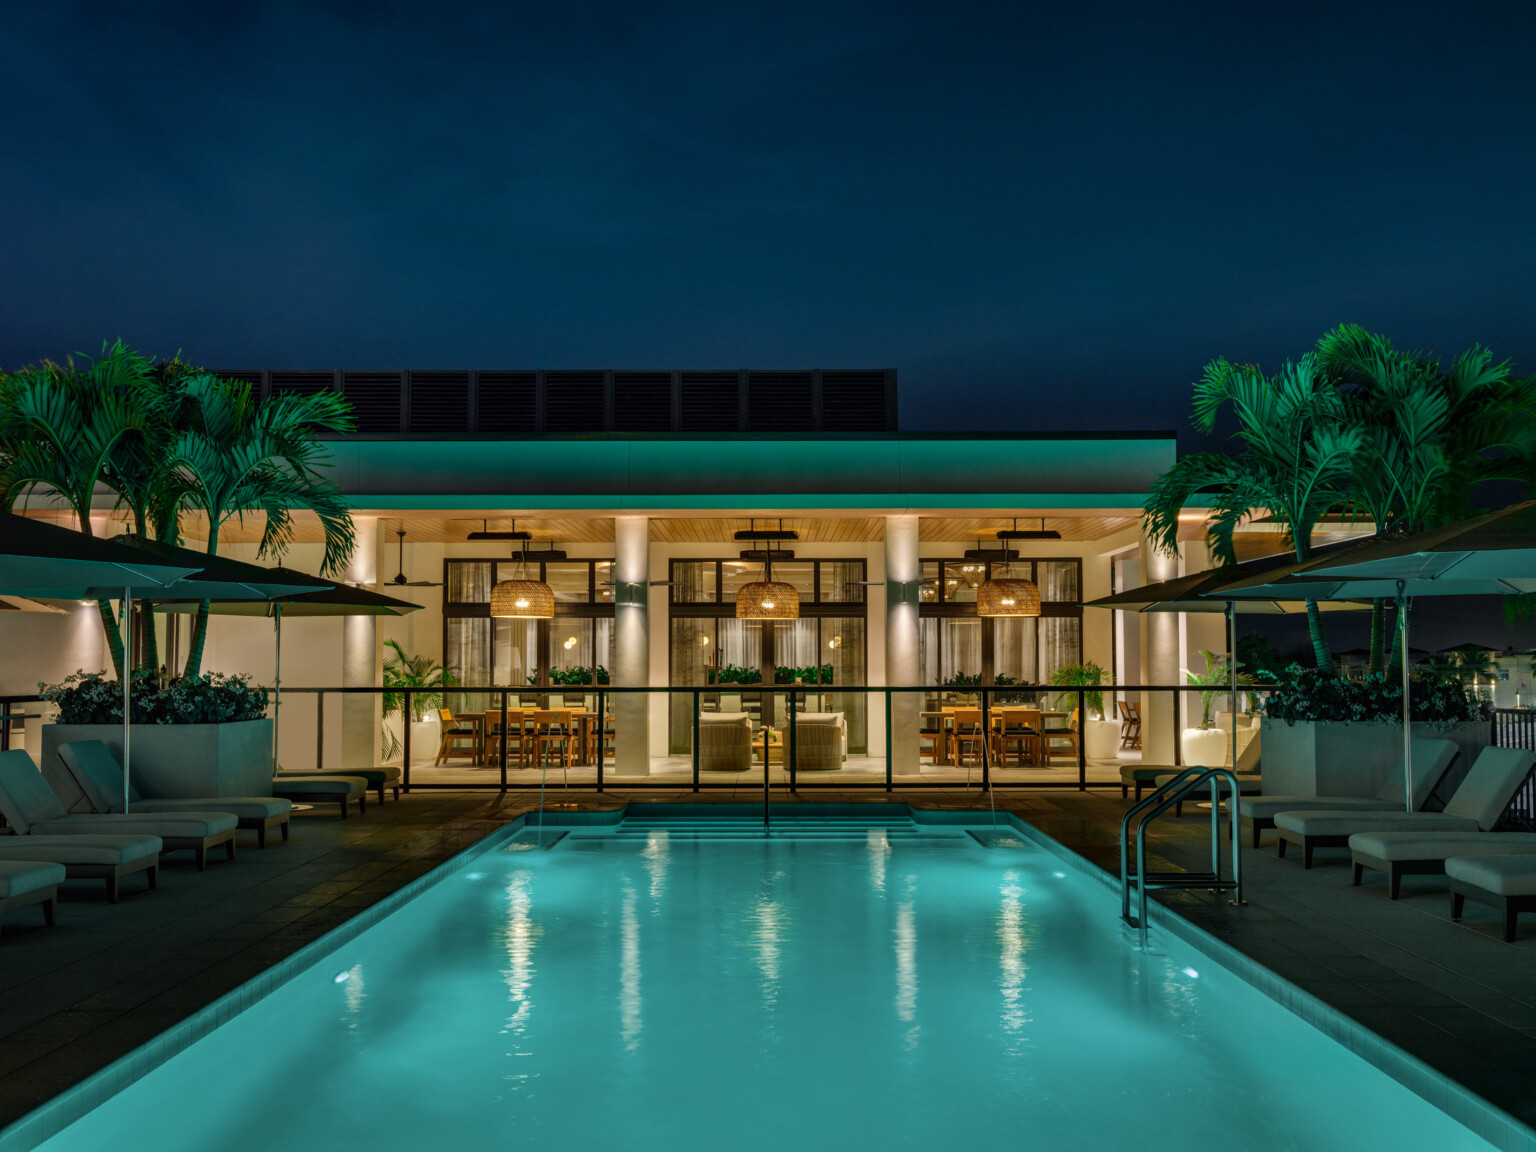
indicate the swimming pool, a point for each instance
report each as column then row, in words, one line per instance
column 667, row 984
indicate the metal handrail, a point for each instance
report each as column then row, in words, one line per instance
column 1164, row 798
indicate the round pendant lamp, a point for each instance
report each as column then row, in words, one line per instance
column 523, row 599
column 767, row 600
column 1007, row 595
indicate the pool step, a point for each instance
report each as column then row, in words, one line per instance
column 852, row 830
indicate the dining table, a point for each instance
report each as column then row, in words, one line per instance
column 995, row 714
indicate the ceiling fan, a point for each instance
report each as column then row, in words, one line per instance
column 400, row 579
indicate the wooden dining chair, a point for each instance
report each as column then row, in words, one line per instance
column 1020, row 727
column 969, row 737
column 1130, row 725
column 1068, row 733
column 453, row 736
column 516, row 731
column 551, row 729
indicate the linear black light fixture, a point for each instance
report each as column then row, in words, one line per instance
column 1041, row 533
column 512, row 535
column 755, row 533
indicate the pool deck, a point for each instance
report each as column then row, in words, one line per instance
column 110, row 977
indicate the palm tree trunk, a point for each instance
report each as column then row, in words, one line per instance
column 199, row 636
column 114, row 637
column 1378, row 636
column 151, row 645
column 1320, row 650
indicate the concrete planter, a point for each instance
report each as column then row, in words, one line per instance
column 1101, row 739
column 426, row 735
column 1352, row 758
column 1205, row 747
column 173, row 761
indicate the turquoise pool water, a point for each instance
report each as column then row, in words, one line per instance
column 644, row 988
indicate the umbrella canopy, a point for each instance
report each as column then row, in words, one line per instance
column 221, row 578
column 332, row 600
column 48, row 562
column 1493, row 554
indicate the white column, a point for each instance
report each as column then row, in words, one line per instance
column 360, row 657
column 632, row 644
column 1160, row 632
column 903, row 571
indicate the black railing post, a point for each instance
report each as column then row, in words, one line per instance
column 320, row 731
column 405, row 743
column 602, row 734
column 790, row 751
column 1178, row 727
column 890, row 744
column 5, row 718
column 504, row 739
column 986, row 740
column 695, row 739
column 1082, row 740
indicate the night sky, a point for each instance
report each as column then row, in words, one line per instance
column 1044, row 217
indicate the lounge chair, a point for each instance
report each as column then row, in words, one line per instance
column 29, row 803
column 1400, row 854
column 725, row 742
column 24, row 882
column 1431, row 760
column 100, row 777
column 1476, row 807
column 821, row 741
column 1506, row 882
column 91, row 857
column 378, row 778
column 1247, row 771
column 316, row 788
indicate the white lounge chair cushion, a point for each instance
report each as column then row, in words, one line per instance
column 242, row 807
column 80, row 849
column 99, row 774
column 18, row 877
column 1265, row 807
column 1343, row 822
column 1501, row 875
column 25, row 797
column 1440, row 845
column 316, row 783
column 196, row 825
column 1491, row 785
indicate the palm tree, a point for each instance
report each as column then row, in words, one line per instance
column 61, row 428
column 1433, row 434
column 1295, row 463
column 235, row 454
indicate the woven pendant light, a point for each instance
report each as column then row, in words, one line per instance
column 1007, row 596
column 767, row 600
column 523, row 599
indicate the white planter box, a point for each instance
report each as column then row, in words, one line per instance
column 1205, row 747
column 1101, row 739
column 173, row 761
column 1352, row 758
column 426, row 735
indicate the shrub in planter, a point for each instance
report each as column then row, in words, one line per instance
column 1306, row 694
column 212, row 698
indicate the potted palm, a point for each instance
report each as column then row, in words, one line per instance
column 403, row 670
column 1101, row 737
column 1207, row 745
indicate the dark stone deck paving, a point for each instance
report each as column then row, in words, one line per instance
column 109, row 977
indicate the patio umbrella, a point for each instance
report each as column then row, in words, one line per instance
column 334, row 599
column 1493, row 554
column 1201, row 592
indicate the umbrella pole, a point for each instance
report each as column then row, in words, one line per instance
column 1402, row 623
column 277, row 681
column 127, row 684
column 1232, row 667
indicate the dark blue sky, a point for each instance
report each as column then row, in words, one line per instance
column 1043, row 216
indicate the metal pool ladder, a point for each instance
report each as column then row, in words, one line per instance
column 1174, row 792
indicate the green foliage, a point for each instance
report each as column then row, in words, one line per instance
column 1215, row 681
column 1466, row 663
column 733, row 674
column 788, row 674
column 1259, row 654
column 1307, row 694
column 577, row 675
column 1080, row 675
column 405, row 671
column 90, row 698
